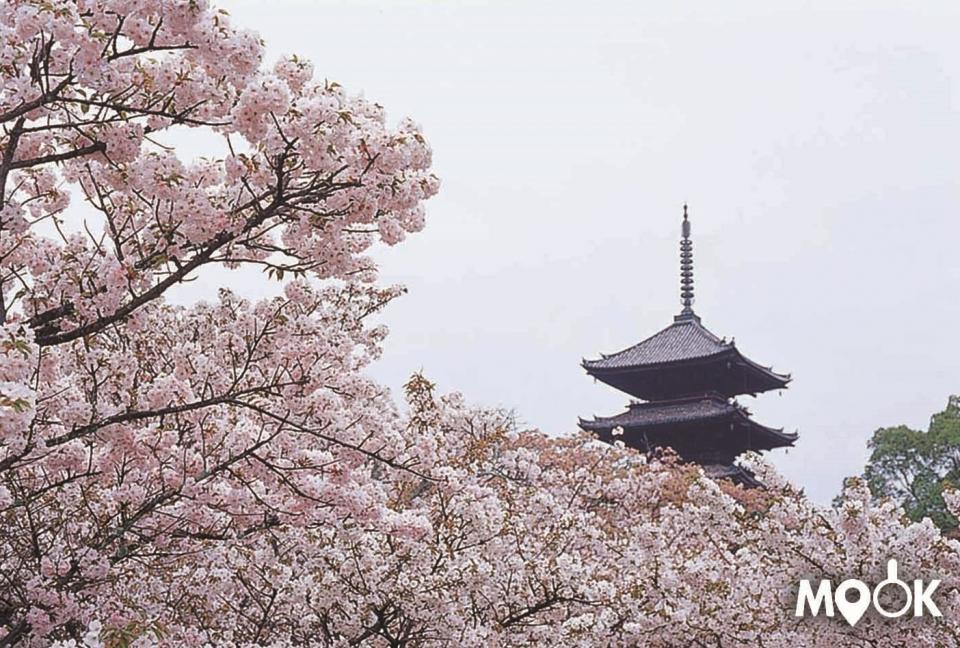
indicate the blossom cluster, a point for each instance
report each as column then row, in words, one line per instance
column 93, row 96
column 515, row 538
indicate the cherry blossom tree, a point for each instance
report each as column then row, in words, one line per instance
column 143, row 444
column 535, row 539
column 225, row 474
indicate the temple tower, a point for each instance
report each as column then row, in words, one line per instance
column 689, row 378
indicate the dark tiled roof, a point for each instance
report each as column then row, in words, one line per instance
column 720, row 470
column 690, row 410
column 735, row 473
column 685, row 339
column 681, row 411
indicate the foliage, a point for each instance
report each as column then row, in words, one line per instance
column 915, row 467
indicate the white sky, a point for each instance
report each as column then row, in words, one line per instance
column 817, row 145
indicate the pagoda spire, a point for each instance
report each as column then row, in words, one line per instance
column 686, row 268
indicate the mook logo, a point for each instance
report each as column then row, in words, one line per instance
column 853, row 597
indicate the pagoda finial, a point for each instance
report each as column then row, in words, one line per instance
column 686, row 267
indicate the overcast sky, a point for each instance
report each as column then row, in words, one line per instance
column 817, row 146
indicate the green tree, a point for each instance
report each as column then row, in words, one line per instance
column 915, row 467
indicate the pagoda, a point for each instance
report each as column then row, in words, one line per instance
column 686, row 378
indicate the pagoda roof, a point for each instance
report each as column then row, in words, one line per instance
column 685, row 342
column 736, row 474
column 688, row 412
column 664, row 413
column 685, row 339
